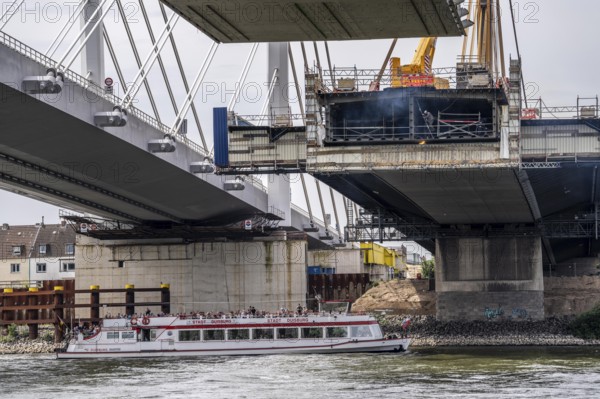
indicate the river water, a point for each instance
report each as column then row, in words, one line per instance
column 513, row 372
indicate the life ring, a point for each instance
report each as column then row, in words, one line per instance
column 133, row 321
column 146, row 320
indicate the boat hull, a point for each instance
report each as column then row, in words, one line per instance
column 173, row 336
column 384, row 345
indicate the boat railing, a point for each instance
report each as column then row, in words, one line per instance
column 244, row 316
column 263, row 315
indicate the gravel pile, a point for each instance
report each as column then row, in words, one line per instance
column 427, row 331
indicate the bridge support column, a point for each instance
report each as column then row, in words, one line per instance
column 165, row 298
column 92, row 56
column 486, row 278
column 33, row 314
column 59, row 302
column 130, row 299
column 95, row 303
column 280, row 197
column 267, row 273
column 7, row 315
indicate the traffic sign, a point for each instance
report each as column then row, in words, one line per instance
column 109, row 82
column 248, row 224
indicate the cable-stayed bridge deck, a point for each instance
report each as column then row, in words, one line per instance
column 51, row 150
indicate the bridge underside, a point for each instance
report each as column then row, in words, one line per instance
column 317, row 20
column 567, row 198
column 465, row 202
column 52, row 156
column 459, row 196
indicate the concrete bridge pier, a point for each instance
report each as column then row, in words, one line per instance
column 267, row 272
column 489, row 278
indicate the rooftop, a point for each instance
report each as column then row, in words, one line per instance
column 28, row 240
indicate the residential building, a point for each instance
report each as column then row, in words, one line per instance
column 35, row 253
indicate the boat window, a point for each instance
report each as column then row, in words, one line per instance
column 287, row 333
column 127, row 335
column 214, row 335
column 236, row 335
column 190, row 335
column 336, row 332
column 377, row 331
column 112, row 335
column 360, row 331
column 262, row 333
column 312, row 332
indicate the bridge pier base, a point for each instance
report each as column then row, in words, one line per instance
column 489, row 278
column 227, row 276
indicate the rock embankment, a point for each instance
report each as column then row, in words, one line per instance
column 398, row 297
column 427, row 331
column 25, row 346
column 563, row 296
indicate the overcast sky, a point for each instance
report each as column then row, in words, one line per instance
column 558, row 42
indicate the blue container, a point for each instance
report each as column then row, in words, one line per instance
column 314, row 270
column 220, row 136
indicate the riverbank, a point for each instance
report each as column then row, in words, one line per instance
column 426, row 331
column 26, row 346
column 563, row 296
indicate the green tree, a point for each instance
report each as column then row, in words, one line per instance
column 428, row 269
column 11, row 335
column 587, row 325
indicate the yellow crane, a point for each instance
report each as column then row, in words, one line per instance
column 419, row 72
column 421, row 62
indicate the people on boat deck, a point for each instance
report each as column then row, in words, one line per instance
column 251, row 312
column 86, row 329
column 405, row 326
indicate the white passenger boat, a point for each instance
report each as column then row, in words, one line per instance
column 201, row 336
